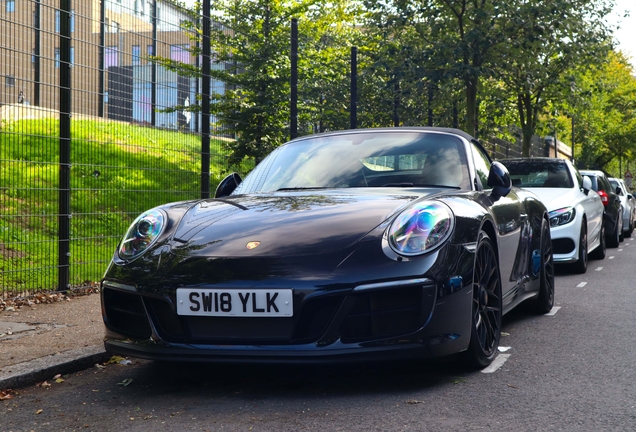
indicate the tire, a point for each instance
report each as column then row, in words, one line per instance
column 600, row 252
column 629, row 232
column 486, row 312
column 614, row 239
column 621, row 237
column 580, row 266
column 545, row 300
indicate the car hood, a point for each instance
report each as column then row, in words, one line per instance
column 283, row 224
column 556, row 198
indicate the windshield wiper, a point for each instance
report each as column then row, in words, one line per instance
column 301, row 188
column 406, row 184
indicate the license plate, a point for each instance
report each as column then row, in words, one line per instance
column 235, row 302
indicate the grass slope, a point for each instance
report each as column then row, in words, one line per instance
column 117, row 171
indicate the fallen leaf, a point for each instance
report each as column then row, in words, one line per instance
column 505, row 334
column 5, row 394
column 39, row 411
column 59, row 380
column 125, row 382
column 413, row 402
column 115, row 359
column 511, row 386
column 98, row 366
column 57, row 376
column 44, row 384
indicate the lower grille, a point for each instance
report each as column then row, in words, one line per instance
column 125, row 314
column 387, row 313
column 562, row 245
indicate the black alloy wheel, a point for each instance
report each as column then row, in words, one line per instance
column 600, row 251
column 545, row 300
column 487, row 306
column 580, row 266
column 614, row 239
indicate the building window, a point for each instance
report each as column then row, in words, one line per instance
column 150, row 51
column 9, row 81
column 57, row 58
column 9, row 6
column 111, row 57
column 72, row 56
column 116, row 27
column 136, row 52
column 58, row 20
column 180, row 53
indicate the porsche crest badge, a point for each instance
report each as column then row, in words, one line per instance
column 252, row 245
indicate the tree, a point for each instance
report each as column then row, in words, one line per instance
column 606, row 115
column 546, row 41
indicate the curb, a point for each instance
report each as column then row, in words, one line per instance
column 41, row 369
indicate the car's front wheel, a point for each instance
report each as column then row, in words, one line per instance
column 615, row 238
column 600, row 251
column 487, row 306
column 580, row 266
column 545, row 300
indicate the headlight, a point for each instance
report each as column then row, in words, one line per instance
column 562, row 216
column 421, row 228
column 142, row 233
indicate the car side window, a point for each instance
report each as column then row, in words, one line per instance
column 482, row 165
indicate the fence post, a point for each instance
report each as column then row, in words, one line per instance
column 353, row 117
column 36, row 53
column 64, row 194
column 153, row 68
column 293, row 108
column 206, row 53
column 102, row 43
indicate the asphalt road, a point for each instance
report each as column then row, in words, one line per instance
column 571, row 371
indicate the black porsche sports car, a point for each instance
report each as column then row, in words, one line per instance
column 360, row 244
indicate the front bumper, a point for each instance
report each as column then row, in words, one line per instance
column 392, row 319
column 565, row 241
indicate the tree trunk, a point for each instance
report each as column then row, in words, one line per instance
column 471, row 105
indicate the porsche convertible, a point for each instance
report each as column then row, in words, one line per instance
column 365, row 244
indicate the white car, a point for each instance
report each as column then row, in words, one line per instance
column 628, row 204
column 575, row 210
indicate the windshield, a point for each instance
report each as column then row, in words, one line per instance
column 536, row 173
column 370, row 159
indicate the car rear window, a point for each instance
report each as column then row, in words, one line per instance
column 539, row 174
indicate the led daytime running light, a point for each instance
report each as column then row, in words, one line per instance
column 562, row 216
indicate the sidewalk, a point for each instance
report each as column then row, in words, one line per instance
column 37, row 342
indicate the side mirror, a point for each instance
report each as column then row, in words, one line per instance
column 499, row 180
column 629, row 196
column 227, row 185
column 619, row 191
column 587, row 184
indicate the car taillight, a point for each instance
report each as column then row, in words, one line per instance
column 604, row 197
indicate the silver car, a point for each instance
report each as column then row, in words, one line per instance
column 628, row 203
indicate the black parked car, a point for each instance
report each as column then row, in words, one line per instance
column 613, row 215
column 364, row 244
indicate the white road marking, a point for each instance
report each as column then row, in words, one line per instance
column 620, row 250
column 611, row 257
column 599, row 268
column 554, row 310
column 581, row 285
column 496, row 364
column 626, row 244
